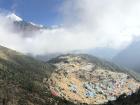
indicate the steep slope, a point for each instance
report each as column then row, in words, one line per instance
column 26, row 28
column 130, row 57
column 65, row 80
column 89, row 80
column 22, row 80
column 14, row 17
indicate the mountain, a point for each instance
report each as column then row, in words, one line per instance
column 90, row 80
column 14, row 17
column 22, row 80
column 72, row 79
column 105, row 53
column 30, row 29
column 130, row 57
column 26, row 28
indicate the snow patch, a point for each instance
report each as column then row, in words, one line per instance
column 37, row 25
column 14, row 17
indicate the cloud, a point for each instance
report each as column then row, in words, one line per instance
column 111, row 23
column 87, row 24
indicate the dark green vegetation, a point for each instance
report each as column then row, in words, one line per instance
column 134, row 99
column 22, row 79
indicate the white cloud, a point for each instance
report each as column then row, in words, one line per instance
column 111, row 23
column 87, row 24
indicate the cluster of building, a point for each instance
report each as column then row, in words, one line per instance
column 99, row 86
column 109, row 84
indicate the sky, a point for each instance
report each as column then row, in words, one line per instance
column 84, row 25
column 44, row 12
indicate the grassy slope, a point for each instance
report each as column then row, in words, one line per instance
column 21, row 80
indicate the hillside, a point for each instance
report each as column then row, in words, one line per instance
column 129, row 57
column 89, row 80
column 21, row 80
column 64, row 80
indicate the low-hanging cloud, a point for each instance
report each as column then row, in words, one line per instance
column 87, row 24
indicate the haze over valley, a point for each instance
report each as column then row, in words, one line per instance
column 69, row 52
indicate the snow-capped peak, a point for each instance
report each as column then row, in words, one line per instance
column 14, row 17
column 37, row 25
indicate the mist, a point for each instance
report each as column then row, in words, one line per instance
column 87, row 24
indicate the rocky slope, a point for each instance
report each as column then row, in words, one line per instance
column 85, row 79
column 65, row 80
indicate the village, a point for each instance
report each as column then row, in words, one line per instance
column 80, row 81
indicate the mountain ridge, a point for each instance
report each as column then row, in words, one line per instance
column 89, row 79
column 27, row 81
column 129, row 57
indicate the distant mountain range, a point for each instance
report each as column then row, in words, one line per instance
column 29, row 29
column 13, row 17
column 129, row 57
